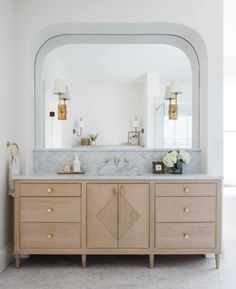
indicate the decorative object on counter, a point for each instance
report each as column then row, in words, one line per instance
column 85, row 141
column 79, row 131
column 134, row 136
column 175, row 159
column 67, row 168
column 14, row 165
column 76, row 163
column 158, row 167
column 171, row 93
column 93, row 138
column 62, row 91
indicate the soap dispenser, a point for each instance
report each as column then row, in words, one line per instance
column 76, row 164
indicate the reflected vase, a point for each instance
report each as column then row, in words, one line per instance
column 177, row 169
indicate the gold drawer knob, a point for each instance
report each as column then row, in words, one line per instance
column 186, row 210
column 50, row 210
column 186, row 236
column 50, row 236
column 50, row 190
column 186, row 190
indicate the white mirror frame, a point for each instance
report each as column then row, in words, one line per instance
column 64, row 39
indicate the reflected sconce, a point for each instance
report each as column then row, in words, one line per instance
column 172, row 92
column 78, row 132
column 62, row 91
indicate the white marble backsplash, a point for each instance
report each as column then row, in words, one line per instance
column 102, row 162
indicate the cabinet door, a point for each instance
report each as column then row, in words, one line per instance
column 102, row 201
column 133, row 216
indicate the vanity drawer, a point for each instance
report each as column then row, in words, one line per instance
column 50, row 235
column 50, row 189
column 50, row 209
column 185, row 235
column 185, row 209
column 186, row 189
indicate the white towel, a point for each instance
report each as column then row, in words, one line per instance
column 14, row 170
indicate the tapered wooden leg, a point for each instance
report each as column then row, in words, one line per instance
column 84, row 260
column 217, row 258
column 151, row 261
column 17, row 260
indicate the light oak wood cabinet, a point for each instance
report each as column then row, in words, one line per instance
column 149, row 217
column 118, row 215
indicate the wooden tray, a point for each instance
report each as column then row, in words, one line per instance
column 71, row 173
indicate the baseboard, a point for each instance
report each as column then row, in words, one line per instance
column 6, row 256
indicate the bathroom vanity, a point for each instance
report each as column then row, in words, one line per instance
column 139, row 113
column 87, row 215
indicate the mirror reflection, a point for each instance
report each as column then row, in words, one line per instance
column 117, row 95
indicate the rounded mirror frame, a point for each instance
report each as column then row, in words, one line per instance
column 64, row 39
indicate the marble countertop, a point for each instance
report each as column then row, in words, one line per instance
column 118, row 177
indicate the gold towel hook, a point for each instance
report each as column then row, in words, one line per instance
column 11, row 145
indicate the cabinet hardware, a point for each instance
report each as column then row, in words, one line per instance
column 186, row 236
column 50, row 236
column 49, row 190
column 50, row 210
column 122, row 191
column 186, row 210
column 114, row 191
column 186, row 190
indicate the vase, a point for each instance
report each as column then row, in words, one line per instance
column 177, row 169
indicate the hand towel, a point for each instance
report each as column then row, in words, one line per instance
column 14, row 170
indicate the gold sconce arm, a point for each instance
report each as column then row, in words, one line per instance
column 77, row 132
column 12, row 145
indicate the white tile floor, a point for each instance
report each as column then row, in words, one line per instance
column 132, row 272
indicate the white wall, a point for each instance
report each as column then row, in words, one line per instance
column 7, row 118
column 203, row 17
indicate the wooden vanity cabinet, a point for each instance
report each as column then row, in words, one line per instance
column 149, row 217
column 118, row 215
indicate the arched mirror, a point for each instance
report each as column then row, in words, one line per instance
column 117, row 91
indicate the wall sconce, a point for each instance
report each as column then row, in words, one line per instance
column 79, row 131
column 171, row 93
column 62, row 91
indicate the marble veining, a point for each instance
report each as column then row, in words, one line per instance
column 101, row 162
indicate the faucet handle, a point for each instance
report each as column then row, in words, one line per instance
column 116, row 161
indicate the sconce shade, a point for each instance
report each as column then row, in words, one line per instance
column 175, row 87
column 168, row 94
column 65, row 96
column 59, row 87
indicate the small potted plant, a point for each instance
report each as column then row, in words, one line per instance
column 175, row 159
column 93, row 138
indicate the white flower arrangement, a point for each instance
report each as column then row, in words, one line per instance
column 176, row 157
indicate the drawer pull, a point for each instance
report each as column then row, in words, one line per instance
column 186, row 236
column 186, row 190
column 50, row 210
column 50, row 236
column 50, row 190
column 186, row 210
column 122, row 191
